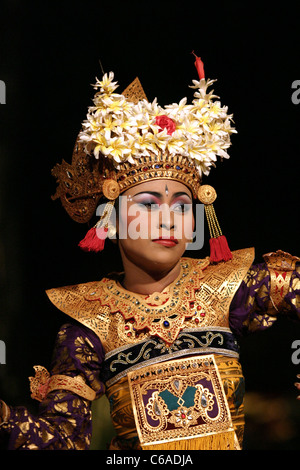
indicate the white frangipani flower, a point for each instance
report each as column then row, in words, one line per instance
column 106, row 85
column 123, row 131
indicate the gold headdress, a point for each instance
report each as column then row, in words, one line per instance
column 126, row 140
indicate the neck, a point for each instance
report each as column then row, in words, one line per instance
column 137, row 280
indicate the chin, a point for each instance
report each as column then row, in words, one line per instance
column 150, row 256
column 164, row 258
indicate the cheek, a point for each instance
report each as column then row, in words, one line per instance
column 134, row 225
column 185, row 225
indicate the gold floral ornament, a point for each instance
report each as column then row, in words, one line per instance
column 111, row 189
column 207, row 194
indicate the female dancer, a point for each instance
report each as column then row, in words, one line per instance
column 160, row 339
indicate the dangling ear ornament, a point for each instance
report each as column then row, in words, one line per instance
column 95, row 238
column 219, row 249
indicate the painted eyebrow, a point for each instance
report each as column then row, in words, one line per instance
column 160, row 195
column 182, row 193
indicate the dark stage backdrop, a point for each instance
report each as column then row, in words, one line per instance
column 49, row 56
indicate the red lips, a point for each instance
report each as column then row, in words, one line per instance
column 169, row 241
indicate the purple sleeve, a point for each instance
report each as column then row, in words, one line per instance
column 64, row 418
column 249, row 310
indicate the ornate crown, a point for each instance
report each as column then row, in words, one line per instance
column 129, row 140
column 124, row 131
column 126, row 140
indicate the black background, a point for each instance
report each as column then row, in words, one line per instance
column 49, row 57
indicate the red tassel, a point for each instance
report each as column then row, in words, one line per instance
column 215, row 252
column 199, row 66
column 226, row 253
column 219, row 249
column 94, row 240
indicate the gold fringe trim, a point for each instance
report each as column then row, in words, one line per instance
column 219, row 441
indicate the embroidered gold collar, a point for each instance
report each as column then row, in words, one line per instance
column 200, row 296
column 161, row 313
column 164, row 314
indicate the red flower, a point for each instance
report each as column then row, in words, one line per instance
column 164, row 122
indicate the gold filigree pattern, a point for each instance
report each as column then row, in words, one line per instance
column 126, row 358
column 281, row 261
column 179, row 400
column 207, row 194
column 111, row 189
column 135, row 92
column 39, row 383
column 199, row 297
column 233, row 383
column 281, row 266
column 121, row 360
column 42, row 384
column 80, row 184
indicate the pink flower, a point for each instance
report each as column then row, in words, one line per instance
column 164, row 122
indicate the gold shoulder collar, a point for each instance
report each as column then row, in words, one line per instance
column 163, row 314
column 74, row 301
column 220, row 283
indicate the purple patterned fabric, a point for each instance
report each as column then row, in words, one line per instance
column 254, row 287
column 293, row 294
column 249, row 307
column 64, row 419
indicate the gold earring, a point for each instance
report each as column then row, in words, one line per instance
column 219, row 249
column 96, row 236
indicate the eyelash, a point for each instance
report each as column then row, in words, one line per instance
column 178, row 207
column 182, row 206
column 149, row 205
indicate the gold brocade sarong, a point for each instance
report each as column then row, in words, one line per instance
column 122, row 412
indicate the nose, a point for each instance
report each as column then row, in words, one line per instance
column 166, row 218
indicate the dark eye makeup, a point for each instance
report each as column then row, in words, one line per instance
column 154, row 199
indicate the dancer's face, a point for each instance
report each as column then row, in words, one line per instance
column 155, row 223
